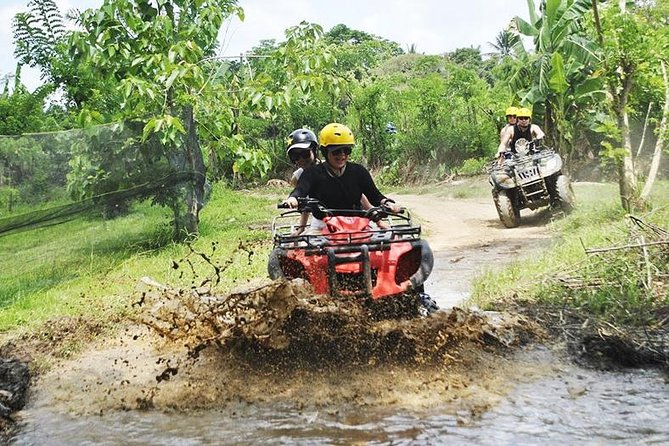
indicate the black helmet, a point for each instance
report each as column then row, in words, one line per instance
column 302, row 139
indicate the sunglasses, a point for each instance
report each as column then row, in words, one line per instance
column 345, row 150
column 523, row 117
column 510, row 116
column 295, row 155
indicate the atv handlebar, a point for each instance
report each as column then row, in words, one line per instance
column 533, row 146
column 303, row 204
column 314, row 206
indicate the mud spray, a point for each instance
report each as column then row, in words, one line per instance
column 279, row 344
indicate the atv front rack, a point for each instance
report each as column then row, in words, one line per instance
column 398, row 228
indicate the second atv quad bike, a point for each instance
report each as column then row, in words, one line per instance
column 374, row 254
column 529, row 178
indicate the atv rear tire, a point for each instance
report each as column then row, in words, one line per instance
column 508, row 212
column 565, row 193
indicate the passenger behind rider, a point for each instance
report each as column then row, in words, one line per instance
column 523, row 129
column 302, row 150
column 337, row 183
column 510, row 113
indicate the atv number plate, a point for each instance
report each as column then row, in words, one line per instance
column 529, row 174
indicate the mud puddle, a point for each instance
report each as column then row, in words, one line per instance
column 450, row 284
column 193, row 351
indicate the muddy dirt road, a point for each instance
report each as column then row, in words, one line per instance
column 467, row 236
column 140, row 388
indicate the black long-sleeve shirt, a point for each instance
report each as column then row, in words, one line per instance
column 343, row 192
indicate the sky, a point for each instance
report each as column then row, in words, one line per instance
column 432, row 26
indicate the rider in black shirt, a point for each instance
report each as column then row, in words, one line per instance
column 522, row 130
column 338, row 183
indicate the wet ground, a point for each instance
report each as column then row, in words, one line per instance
column 274, row 365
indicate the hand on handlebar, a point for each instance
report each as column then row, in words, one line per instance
column 394, row 208
column 390, row 206
column 501, row 156
column 290, row 202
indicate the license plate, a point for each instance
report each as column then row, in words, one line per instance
column 529, row 174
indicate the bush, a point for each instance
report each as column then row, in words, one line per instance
column 8, row 198
column 473, row 166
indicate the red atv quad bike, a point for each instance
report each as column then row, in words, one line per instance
column 375, row 254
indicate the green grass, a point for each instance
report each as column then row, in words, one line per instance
column 90, row 266
column 598, row 222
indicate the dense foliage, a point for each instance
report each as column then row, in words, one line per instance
column 591, row 74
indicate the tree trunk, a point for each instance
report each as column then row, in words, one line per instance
column 195, row 188
column 657, row 155
column 627, row 181
column 643, row 132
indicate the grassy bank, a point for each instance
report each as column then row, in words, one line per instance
column 621, row 286
column 90, row 267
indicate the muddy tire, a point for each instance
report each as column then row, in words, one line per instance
column 274, row 264
column 508, row 212
column 402, row 306
column 565, row 193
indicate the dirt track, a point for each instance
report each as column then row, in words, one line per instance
column 138, row 370
column 467, row 236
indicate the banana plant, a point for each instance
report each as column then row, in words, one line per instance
column 559, row 77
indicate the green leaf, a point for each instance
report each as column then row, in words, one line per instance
column 525, row 28
column 557, row 79
column 170, row 80
column 149, row 128
column 256, row 98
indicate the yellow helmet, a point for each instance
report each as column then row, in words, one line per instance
column 524, row 113
column 335, row 134
column 513, row 111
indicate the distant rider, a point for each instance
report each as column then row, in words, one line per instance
column 510, row 113
column 523, row 129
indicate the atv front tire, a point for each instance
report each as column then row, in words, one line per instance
column 508, row 212
column 565, row 193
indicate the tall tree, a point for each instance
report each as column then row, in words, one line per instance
column 505, row 42
column 37, row 33
column 40, row 40
column 559, row 77
column 153, row 52
column 626, row 41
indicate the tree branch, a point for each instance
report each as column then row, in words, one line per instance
column 618, row 248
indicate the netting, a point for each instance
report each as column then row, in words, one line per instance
column 49, row 178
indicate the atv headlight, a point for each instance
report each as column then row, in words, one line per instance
column 551, row 165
